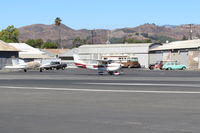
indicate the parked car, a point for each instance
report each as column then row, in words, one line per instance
column 131, row 63
column 55, row 65
column 173, row 66
column 58, row 65
column 157, row 65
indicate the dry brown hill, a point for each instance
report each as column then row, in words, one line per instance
column 151, row 31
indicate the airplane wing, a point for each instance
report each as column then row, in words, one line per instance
column 16, row 67
column 99, row 61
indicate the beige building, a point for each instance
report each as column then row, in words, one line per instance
column 186, row 52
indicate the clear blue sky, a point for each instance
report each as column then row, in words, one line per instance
column 94, row 14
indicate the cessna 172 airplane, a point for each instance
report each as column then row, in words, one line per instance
column 22, row 65
column 101, row 65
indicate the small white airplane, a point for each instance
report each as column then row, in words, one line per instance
column 22, row 65
column 102, row 66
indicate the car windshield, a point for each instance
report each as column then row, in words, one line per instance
column 172, row 63
column 134, row 59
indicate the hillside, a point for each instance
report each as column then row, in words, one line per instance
column 146, row 31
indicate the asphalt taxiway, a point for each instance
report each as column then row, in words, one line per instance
column 80, row 101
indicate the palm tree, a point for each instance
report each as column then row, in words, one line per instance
column 58, row 23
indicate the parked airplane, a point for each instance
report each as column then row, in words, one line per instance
column 22, row 65
column 101, row 65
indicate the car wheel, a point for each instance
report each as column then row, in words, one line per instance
column 183, row 68
column 151, row 67
column 169, row 68
column 111, row 72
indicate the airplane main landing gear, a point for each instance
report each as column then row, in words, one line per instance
column 114, row 72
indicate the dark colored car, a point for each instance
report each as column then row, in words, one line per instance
column 157, row 65
column 57, row 65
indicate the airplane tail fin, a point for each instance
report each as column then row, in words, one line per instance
column 77, row 59
column 78, row 62
column 17, row 64
column 15, row 61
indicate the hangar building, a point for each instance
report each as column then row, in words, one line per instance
column 185, row 52
column 6, row 53
column 103, row 51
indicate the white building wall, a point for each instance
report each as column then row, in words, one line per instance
column 97, row 51
column 155, row 57
column 143, row 59
column 111, row 50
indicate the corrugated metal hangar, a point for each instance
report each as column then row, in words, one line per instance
column 184, row 52
column 102, row 51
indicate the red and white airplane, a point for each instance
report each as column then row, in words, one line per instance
column 101, row 65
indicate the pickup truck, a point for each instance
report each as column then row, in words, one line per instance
column 55, row 65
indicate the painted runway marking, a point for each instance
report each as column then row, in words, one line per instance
column 101, row 90
column 145, row 84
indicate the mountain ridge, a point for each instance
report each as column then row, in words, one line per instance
column 101, row 36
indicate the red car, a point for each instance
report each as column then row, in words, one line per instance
column 157, row 65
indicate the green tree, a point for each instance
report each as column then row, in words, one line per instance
column 57, row 22
column 78, row 42
column 131, row 40
column 10, row 34
column 39, row 43
column 115, row 40
column 35, row 43
column 49, row 45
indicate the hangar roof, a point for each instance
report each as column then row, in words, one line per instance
column 25, row 47
column 117, row 45
column 54, row 52
column 6, row 47
column 69, row 53
column 188, row 44
column 28, row 52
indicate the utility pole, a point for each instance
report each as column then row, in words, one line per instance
column 92, row 32
column 191, row 31
column 190, row 27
